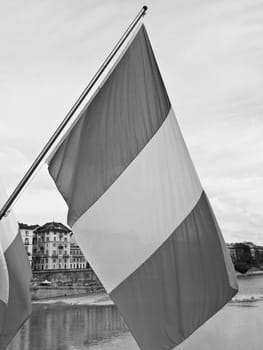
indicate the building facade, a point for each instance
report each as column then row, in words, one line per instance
column 27, row 234
column 246, row 252
column 77, row 259
column 52, row 248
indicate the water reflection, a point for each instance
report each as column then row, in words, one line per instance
column 66, row 327
column 60, row 327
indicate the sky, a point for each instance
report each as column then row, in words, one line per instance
column 210, row 54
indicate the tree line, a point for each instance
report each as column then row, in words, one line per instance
column 244, row 257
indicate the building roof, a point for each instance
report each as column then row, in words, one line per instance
column 23, row 226
column 53, row 226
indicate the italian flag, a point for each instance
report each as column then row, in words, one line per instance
column 15, row 275
column 137, row 207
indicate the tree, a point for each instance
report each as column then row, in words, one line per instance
column 241, row 267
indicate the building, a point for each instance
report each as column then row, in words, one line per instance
column 27, row 234
column 77, row 259
column 232, row 251
column 54, row 248
column 51, row 247
column 246, row 252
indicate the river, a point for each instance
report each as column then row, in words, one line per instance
column 57, row 326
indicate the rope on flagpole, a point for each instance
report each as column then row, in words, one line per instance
column 5, row 209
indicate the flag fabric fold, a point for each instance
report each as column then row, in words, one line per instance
column 15, row 275
column 137, row 208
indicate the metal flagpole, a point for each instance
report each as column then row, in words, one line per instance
column 67, row 118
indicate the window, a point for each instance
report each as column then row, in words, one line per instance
column 27, row 233
column 47, row 239
column 26, row 241
column 55, row 238
column 65, row 239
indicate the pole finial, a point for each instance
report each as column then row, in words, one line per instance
column 145, row 8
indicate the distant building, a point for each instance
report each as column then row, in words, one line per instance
column 247, row 252
column 27, row 234
column 51, row 247
column 77, row 259
column 232, row 251
column 54, row 248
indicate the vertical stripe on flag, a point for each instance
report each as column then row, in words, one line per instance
column 15, row 275
column 137, row 208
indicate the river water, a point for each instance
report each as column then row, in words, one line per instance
column 239, row 325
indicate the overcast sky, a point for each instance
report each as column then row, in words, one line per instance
column 210, row 54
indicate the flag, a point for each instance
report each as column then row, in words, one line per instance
column 137, row 208
column 15, row 275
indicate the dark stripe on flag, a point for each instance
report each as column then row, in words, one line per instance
column 2, row 314
column 125, row 114
column 180, row 286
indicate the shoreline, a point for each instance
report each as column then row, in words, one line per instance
column 251, row 273
column 101, row 298
column 95, row 299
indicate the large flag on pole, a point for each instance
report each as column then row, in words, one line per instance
column 15, row 274
column 137, row 208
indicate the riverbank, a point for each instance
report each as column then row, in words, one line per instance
column 250, row 273
column 96, row 299
column 43, row 293
column 87, row 296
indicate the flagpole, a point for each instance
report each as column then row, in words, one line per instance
column 69, row 115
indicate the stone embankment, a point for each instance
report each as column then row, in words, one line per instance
column 64, row 283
